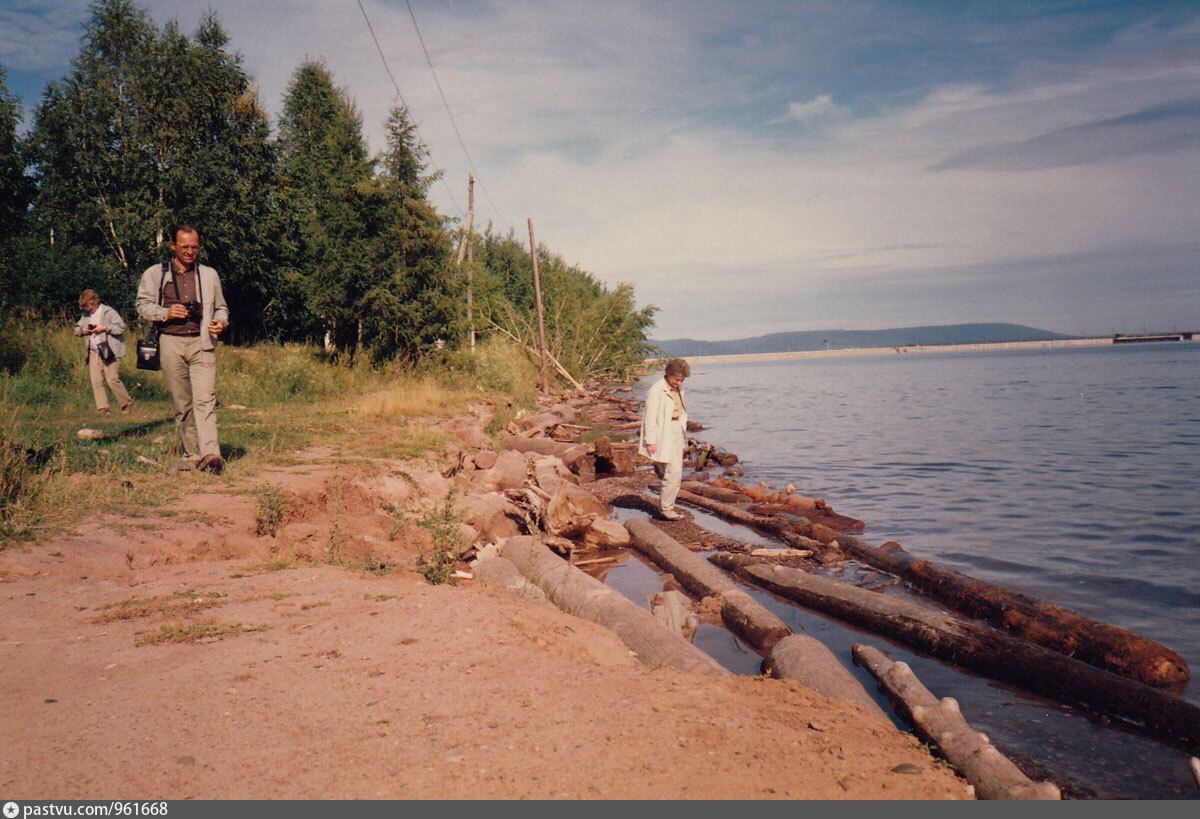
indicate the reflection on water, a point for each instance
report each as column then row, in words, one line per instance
column 1070, row 475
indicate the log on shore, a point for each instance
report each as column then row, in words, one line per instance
column 576, row 593
column 577, row 457
column 993, row 775
column 1100, row 644
column 771, row 525
column 983, row 649
column 809, row 662
column 744, row 615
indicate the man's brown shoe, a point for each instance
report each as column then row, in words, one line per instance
column 211, row 463
column 670, row 514
column 125, row 409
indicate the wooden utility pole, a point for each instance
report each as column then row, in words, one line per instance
column 467, row 246
column 537, row 294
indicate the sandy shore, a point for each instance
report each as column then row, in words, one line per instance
column 183, row 654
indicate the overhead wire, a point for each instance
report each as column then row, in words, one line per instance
column 449, row 114
column 400, row 96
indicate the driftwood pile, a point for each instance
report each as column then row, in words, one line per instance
column 557, row 475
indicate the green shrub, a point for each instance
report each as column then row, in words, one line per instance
column 497, row 366
column 271, row 507
column 444, row 525
column 23, row 472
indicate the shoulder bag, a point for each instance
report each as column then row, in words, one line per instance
column 147, row 346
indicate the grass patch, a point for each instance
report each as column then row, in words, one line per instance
column 269, row 513
column 179, row 604
column 293, row 397
column 195, row 633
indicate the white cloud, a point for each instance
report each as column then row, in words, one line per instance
column 39, row 35
column 639, row 138
column 816, row 109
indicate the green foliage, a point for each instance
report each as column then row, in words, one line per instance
column 270, row 509
column 326, row 175
column 20, row 479
column 15, row 187
column 417, row 298
column 45, row 280
column 273, row 373
column 590, row 329
column 497, row 366
column 150, row 129
column 445, row 526
column 313, row 238
column 43, row 365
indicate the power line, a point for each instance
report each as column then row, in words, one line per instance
column 446, row 105
column 396, row 85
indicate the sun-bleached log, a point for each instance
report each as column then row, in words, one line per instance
column 993, row 775
column 744, row 615
column 809, row 662
column 576, row 593
column 1100, row 644
column 973, row 645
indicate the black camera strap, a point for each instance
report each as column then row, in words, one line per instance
column 175, row 285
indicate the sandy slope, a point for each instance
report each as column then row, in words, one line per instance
column 365, row 686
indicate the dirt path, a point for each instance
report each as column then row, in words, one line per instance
column 318, row 681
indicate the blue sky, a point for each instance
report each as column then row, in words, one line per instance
column 756, row 167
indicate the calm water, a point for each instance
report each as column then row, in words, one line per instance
column 1071, row 475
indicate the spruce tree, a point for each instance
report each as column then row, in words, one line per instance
column 420, row 299
column 15, row 186
column 329, row 197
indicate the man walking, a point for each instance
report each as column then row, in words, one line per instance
column 664, row 433
column 185, row 299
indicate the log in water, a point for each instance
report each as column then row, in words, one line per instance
column 982, row 649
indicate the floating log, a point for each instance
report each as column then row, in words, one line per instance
column 576, row 593
column 714, row 492
column 772, row 525
column 826, row 516
column 742, row 613
column 978, row 647
column 993, row 775
column 809, row 662
column 762, row 494
column 1100, row 644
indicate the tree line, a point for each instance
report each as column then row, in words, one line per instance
column 315, row 239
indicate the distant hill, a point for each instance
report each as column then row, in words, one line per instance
column 856, row 339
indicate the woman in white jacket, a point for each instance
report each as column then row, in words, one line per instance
column 102, row 324
column 664, row 433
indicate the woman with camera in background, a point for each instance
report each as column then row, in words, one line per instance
column 104, row 330
column 185, row 300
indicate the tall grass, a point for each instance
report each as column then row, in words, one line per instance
column 274, row 399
